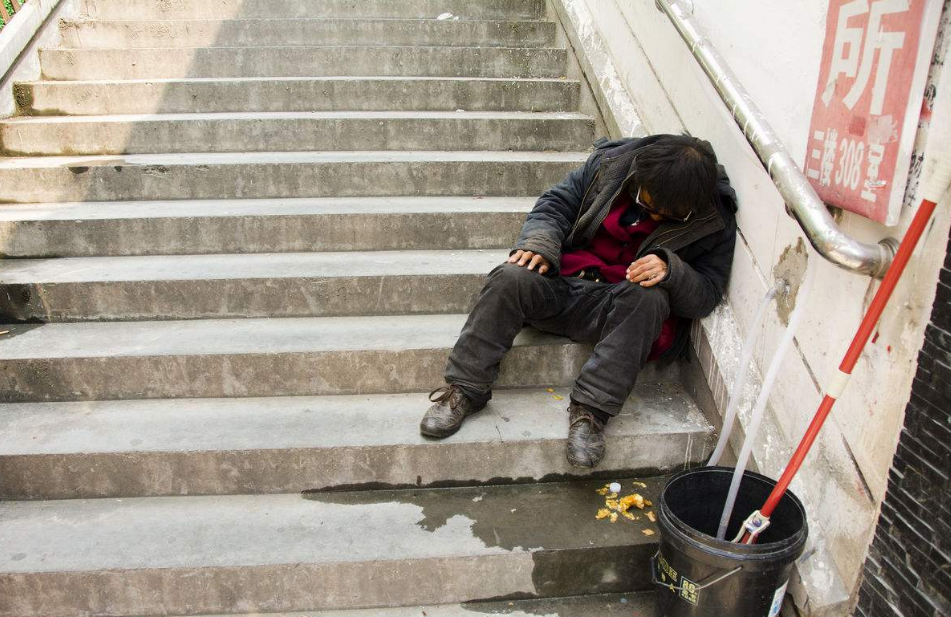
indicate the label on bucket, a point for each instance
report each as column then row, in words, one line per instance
column 778, row 598
column 681, row 585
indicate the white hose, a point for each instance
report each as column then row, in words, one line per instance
column 743, row 374
column 758, row 410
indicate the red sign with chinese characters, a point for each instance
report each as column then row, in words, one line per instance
column 861, row 134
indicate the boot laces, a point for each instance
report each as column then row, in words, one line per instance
column 443, row 394
column 581, row 413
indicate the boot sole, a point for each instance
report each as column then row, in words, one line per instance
column 581, row 466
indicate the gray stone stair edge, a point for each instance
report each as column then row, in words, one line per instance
column 279, row 445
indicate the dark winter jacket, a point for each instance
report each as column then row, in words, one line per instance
column 699, row 253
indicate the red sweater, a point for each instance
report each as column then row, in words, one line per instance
column 611, row 251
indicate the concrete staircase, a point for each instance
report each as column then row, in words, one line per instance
column 241, row 238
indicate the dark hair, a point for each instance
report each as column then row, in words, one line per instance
column 679, row 172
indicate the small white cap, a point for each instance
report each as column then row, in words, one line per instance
column 615, row 487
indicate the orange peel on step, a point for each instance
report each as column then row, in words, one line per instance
column 635, row 500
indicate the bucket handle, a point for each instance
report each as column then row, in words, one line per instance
column 703, row 584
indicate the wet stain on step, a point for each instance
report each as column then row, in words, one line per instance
column 572, row 553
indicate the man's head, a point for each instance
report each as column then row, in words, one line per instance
column 676, row 175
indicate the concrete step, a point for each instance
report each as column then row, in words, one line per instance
column 264, row 357
column 47, row 98
column 216, row 32
column 186, row 227
column 236, row 9
column 297, row 61
column 295, row 131
column 259, row 285
column 281, row 174
column 317, row 551
column 603, row 605
column 294, row 444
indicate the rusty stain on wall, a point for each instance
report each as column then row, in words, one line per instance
column 790, row 268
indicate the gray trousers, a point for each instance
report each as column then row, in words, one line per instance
column 622, row 320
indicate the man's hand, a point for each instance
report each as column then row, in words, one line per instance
column 648, row 271
column 534, row 260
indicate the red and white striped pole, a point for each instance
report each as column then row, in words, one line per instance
column 937, row 178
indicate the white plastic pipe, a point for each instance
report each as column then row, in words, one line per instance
column 743, row 375
column 802, row 300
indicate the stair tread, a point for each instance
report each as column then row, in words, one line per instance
column 242, row 336
column 382, row 420
column 329, row 528
column 464, row 9
column 199, row 208
column 259, row 116
column 249, row 266
column 315, row 78
column 74, row 50
column 199, row 94
column 244, row 158
column 602, row 605
column 263, row 30
column 65, row 63
column 365, row 18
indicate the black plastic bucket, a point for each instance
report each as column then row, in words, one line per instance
column 701, row 576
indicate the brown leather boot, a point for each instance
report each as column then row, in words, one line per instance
column 445, row 417
column 585, row 445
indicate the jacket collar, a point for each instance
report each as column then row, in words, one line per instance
column 674, row 236
column 614, row 168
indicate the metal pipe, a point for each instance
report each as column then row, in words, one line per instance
column 801, row 199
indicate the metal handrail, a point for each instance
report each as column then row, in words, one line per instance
column 801, row 199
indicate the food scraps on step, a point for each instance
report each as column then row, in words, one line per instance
column 614, row 506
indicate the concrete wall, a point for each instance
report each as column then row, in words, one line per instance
column 774, row 47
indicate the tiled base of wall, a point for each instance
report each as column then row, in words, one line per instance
column 908, row 572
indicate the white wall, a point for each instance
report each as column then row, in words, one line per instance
column 774, row 47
